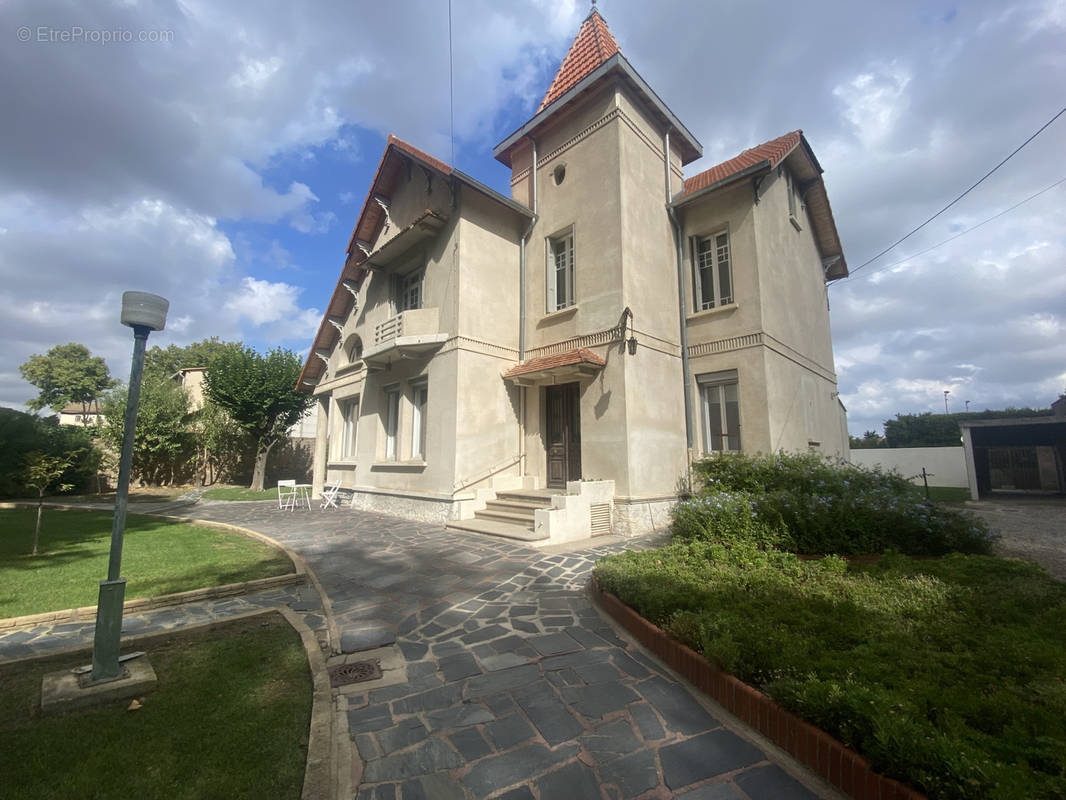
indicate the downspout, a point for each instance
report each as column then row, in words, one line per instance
column 522, row 314
column 681, row 303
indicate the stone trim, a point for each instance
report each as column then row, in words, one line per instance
column 821, row 753
column 479, row 346
column 725, row 345
column 609, row 336
column 798, row 358
column 149, row 603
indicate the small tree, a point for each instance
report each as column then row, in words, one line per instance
column 41, row 471
column 68, row 373
column 259, row 393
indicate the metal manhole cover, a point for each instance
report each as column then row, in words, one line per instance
column 354, row 672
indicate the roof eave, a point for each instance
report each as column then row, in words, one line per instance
column 617, row 62
column 747, row 172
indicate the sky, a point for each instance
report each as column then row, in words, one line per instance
column 217, row 153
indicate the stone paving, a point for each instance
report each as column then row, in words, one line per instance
column 516, row 686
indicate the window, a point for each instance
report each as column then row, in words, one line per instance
column 409, row 291
column 720, row 407
column 353, row 348
column 561, row 271
column 392, row 421
column 349, row 424
column 714, row 271
column 419, row 398
column 790, row 188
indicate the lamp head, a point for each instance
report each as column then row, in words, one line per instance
column 144, row 310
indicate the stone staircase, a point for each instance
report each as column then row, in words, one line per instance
column 510, row 515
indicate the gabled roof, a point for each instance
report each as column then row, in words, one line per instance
column 593, row 59
column 794, row 149
column 368, row 225
column 593, row 45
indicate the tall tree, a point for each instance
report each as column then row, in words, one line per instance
column 68, row 373
column 167, row 360
column 163, row 443
column 259, row 393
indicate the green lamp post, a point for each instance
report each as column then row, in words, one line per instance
column 144, row 313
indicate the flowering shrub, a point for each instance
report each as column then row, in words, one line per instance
column 807, row 504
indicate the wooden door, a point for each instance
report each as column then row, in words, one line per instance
column 563, row 412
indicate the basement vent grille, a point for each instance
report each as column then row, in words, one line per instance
column 601, row 519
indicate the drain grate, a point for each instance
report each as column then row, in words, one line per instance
column 355, row 672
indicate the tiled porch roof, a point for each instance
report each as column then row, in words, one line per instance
column 546, row 363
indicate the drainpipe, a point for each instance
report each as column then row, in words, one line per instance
column 522, row 314
column 681, row 301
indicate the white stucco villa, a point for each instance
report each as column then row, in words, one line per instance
column 545, row 365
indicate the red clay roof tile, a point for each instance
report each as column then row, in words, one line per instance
column 593, row 45
column 570, row 357
column 773, row 151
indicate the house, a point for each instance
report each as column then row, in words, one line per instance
column 75, row 414
column 545, row 365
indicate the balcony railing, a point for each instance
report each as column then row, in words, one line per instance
column 416, row 332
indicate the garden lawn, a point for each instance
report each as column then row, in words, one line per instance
column 947, row 673
column 240, row 493
column 158, row 557
column 229, row 718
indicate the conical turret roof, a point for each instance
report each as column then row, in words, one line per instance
column 593, row 45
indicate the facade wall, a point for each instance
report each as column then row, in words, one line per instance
column 947, row 464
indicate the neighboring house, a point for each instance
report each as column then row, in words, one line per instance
column 1016, row 454
column 586, row 336
column 192, row 381
column 74, row 414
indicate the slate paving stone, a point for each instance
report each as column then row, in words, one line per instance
column 574, row 780
column 549, row 714
column 772, row 782
column 403, row 734
column 459, row 666
column 647, row 722
column 554, row 644
column 714, row 791
column 598, row 673
column 383, row 791
column 507, row 732
column 633, row 774
column 610, row 741
column 522, row 611
column 525, row 627
column 585, row 637
column 705, row 757
column 459, row 716
column 679, row 709
column 413, row 651
column 432, row 787
column 499, row 704
column 484, row 634
column 628, row 665
column 501, row 681
column 371, row 718
column 499, row 661
column 421, row 669
column 521, row 793
column 367, row 746
column 433, row 755
column 574, row 659
column 599, row 699
column 518, row 766
column 565, row 677
column 366, row 637
column 421, row 684
column 509, row 644
column 470, row 744
column 444, row 696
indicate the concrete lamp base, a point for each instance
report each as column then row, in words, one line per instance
column 66, row 690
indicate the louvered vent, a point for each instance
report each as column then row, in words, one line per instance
column 601, row 519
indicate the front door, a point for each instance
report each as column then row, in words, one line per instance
column 564, row 434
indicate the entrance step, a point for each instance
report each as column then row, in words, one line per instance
column 505, row 530
column 541, row 498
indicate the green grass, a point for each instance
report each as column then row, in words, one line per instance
column 240, row 493
column 947, row 494
column 148, row 495
column 229, row 718
column 947, row 673
column 158, row 557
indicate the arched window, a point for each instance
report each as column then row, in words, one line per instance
column 353, row 348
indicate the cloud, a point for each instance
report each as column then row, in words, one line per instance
column 275, row 305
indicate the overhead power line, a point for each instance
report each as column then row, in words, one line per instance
column 960, row 233
column 957, row 199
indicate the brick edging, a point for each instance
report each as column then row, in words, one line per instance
column 149, row 603
column 814, row 748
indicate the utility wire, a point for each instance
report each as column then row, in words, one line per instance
column 957, row 199
column 451, row 86
column 961, row 233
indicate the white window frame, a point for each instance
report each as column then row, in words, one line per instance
column 718, row 386
column 793, row 201
column 409, row 294
column 392, row 421
column 419, row 404
column 560, row 258
column 349, row 408
column 713, row 266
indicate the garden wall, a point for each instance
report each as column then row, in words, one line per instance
column 947, row 464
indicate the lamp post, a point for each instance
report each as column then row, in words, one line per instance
column 144, row 313
column 946, row 393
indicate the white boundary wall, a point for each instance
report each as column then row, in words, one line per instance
column 947, row 464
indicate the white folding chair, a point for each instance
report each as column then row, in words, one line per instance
column 287, row 495
column 329, row 494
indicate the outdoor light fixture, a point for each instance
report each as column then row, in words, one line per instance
column 632, row 342
column 144, row 313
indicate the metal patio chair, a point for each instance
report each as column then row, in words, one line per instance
column 287, row 495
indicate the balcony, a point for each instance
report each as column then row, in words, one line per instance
column 410, row 334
